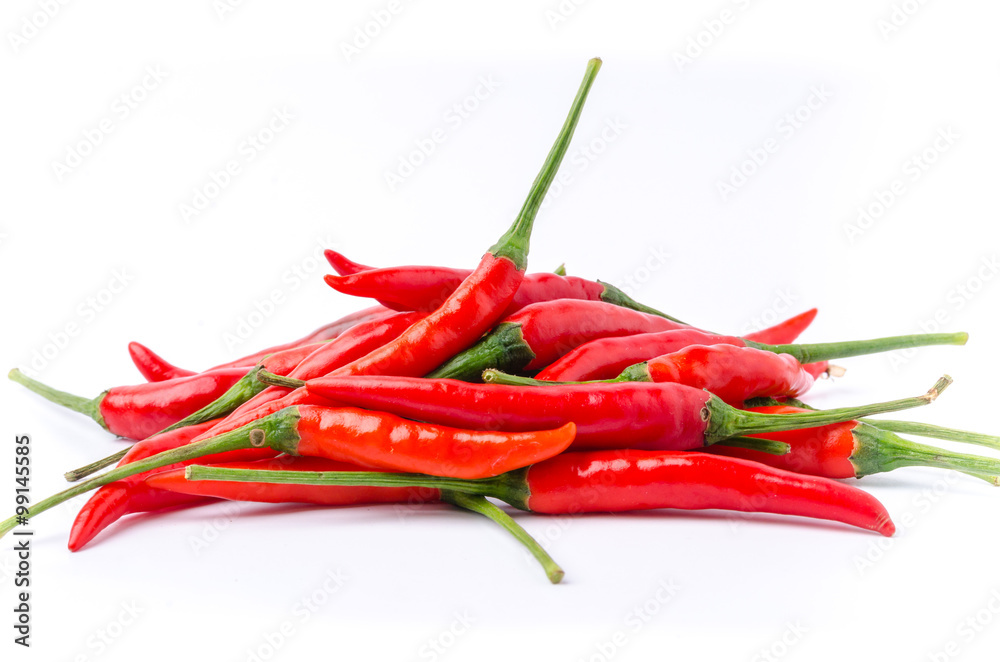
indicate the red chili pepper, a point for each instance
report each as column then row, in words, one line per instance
column 542, row 332
column 174, row 481
column 154, row 368
column 342, row 265
column 733, row 373
column 130, row 495
column 599, row 359
column 785, row 332
column 853, row 449
column 427, row 287
column 144, row 409
column 481, row 298
column 372, row 439
column 607, row 415
column 328, row 332
column 621, row 481
column 250, row 393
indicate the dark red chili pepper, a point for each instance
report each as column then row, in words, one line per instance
column 144, row 409
column 174, row 481
column 607, row 415
column 130, row 495
column 785, row 332
column 621, row 481
column 853, row 449
column 482, row 297
column 606, row 358
column 154, row 368
column 542, row 332
column 328, row 332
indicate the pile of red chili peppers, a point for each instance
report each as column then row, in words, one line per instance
column 552, row 393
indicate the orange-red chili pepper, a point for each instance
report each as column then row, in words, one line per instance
column 621, row 481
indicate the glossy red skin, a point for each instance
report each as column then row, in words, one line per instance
column 350, row 346
column 553, row 328
column 286, row 360
column 468, row 312
column 640, row 480
column 605, row 358
column 426, row 287
column 322, row 495
column 114, row 500
column 327, row 332
column 785, row 332
column 342, row 265
column 139, row 411
column 624, row 415
column 823, row 451
column 154, row 368
column 732, row 373
column 384, row 441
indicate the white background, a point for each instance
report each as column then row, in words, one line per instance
column 790, row 589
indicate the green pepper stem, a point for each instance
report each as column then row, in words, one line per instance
column 560, row 270
column 513, row 245
column 904, row 427
column 617, row 297
column 94, row 467
column 935, row 432
column 245, row 388
column 811, row 353
column 272, row 379
column 503, row 347
column 753, row 443
column 479, row 504
column 877, row 450
column 279, row 427
column 726, row 421
column 87, row 407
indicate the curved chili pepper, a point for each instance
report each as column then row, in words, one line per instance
column 853, row 449
column 327, row 332
column 542, row 332
column 372, row 439
column 344, row 266
column 607, row 415
column 144, row 409
column 130, row 495
column 482, row 297
column 733, row 373
column 784, row 332
column 152, row 366
column 621, row 481
column 599, row 359
column 351, row 346
column 426, row 287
